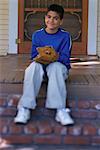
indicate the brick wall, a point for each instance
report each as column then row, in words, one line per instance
column 4, row 26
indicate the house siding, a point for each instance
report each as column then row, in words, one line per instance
column 4, row 15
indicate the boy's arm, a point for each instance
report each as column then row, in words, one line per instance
column 65, row 52
column 35, row 44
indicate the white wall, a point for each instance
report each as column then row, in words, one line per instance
column 92, row 27
column 98, row 30
column 13, row 26
column 4, row 27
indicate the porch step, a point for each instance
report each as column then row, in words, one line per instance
column 43, row 129
column 75, row 91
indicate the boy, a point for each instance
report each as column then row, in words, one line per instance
column 56, row 71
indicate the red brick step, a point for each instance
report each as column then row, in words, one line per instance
column 43, row 129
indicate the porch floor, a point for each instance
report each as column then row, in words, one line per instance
column 84, row 76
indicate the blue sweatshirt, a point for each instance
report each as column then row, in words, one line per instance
column 60, row 41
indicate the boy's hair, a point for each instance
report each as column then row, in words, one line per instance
column 57, row 8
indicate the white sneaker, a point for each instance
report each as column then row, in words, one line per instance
column 23, row 116
column 63, row 117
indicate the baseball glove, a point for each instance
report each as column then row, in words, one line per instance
column 46, row 55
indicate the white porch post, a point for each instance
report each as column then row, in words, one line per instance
column 13, row 26
column 92, row 27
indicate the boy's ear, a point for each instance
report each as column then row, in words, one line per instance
column 61, row 21
column 45, row 16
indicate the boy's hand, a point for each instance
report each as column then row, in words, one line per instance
column 46, row 55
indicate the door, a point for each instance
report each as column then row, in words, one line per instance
column 31, row 14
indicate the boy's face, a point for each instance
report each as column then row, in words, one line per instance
column 53, row 21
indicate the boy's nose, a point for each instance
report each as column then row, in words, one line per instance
column 51, row 19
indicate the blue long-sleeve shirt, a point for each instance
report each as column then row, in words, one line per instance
column 60, row 41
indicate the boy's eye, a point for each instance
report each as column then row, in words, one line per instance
column 56, row 18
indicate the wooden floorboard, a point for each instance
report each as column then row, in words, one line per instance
column 83, row 81
column 12, row 70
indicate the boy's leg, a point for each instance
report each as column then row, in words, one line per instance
column 32, row 82
column 56, row 91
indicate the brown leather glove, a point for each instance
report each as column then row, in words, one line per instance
column 46, row 55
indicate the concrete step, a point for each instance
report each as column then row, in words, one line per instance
column 42, row 127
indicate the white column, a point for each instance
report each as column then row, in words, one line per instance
column 92, row 27
column 13, row 26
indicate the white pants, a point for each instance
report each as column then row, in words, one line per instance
column 56, row 90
